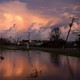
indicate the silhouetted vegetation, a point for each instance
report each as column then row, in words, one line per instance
column 55, row 34
column 55, row 39
column 4, row 41
column 78, row 41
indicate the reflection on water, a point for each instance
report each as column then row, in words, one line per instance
column 37, row 65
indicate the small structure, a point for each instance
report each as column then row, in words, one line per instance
column 36, row 43
column 25, row 43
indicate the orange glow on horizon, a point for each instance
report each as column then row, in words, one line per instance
column 21, row 22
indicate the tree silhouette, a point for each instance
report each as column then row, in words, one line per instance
column 55, row 38
column 55, row 34
column 78, row 41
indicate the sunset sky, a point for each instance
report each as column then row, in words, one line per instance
column 37, row 16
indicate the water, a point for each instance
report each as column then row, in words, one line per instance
column 37, row 65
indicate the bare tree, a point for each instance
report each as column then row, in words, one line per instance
column 55, row 34
column 55, row 38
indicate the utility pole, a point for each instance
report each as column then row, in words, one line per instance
column 71, row 24
column 29, row 36
column 28, row 44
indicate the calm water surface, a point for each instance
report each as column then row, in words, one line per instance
column 37, row 65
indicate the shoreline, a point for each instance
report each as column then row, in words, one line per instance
column 56, row 51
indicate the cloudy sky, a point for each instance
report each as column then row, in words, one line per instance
column 37, row 16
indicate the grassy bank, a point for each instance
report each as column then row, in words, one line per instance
column 60, row 51
column 68, row 52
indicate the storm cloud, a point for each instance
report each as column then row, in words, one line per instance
column 37, row 16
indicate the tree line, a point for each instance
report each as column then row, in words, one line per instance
column 55, row 40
